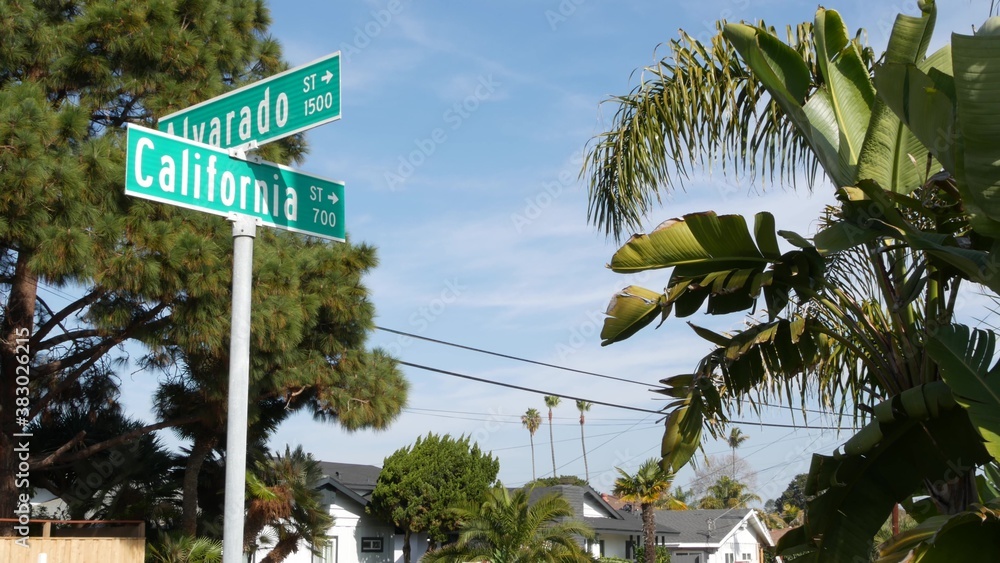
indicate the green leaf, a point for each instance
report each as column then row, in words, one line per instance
column 630, row 310
column 891, row 155
column 702, row 240
column 763, row 231
column 711, row 336
column 848, row 94
column 964, row 357
column 921, row 434
column 923, row 105
column 968, row 536
column 681, row 437
column 976, row 62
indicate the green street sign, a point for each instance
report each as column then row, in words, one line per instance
column 169, row 169
column 267, row 110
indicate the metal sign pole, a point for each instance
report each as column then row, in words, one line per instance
column 244, row 231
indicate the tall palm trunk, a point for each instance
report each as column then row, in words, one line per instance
column 648, row 532
column 281, row 550
column 531, row 438
column 583, row 442
column 552, row 443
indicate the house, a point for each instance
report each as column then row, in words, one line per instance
column 617, row 532
column 715, row 536
column 356, row 536
column 692, row 536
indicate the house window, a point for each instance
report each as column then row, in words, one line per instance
column 328, row 554
column 730, row 558
column 371, row 545
column 747, row 557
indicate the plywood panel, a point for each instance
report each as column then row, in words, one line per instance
column 74, row 550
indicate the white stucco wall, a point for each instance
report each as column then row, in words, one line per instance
column 351, row 526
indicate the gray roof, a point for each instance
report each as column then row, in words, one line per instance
column 574, row 495
column 630, row 523
column 617, row 520
column 693, row 527
column 359, row 478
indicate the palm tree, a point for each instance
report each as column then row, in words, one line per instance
column 532, row 420
column 648, row 486
column 584, row 406
column 181, row 548
column 283, row 497
column 735, row 440
column 508, row 527
column 552, row 401
column 727, row 493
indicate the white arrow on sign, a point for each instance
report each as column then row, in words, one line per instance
column 327, row 77
column 333, row 198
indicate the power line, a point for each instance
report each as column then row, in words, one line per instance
column 518, row 416
column 603, row 403
column 491, row 418
column 510, row 357
column 558, row 367
column 521, row 388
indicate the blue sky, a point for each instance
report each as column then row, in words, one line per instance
column 461, row 142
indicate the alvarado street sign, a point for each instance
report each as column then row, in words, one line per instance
column 267, row 110
column 169, row 169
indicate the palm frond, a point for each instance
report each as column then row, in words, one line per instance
column 698, row 105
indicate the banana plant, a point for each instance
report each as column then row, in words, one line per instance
column 870, row 289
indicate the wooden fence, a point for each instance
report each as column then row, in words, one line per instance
column 78, row 541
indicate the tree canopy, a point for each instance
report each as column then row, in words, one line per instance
column 420, row 485
column 72, row 74
column 510, row 527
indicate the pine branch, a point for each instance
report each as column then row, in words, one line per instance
column 59, row 457
column 63, row 314
column 70, row 335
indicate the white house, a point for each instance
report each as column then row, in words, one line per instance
column 715, row 536
column 356, row 537
column 692, row 536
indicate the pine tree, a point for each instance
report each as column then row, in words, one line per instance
column 72, row 74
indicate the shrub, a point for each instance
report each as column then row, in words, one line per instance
column 662, row 554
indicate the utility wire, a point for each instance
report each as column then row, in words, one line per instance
column 555, row 366
column 603, row 403
column 509, row 357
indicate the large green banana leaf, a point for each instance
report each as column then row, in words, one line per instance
column 964, row 357
column 920, row 434
column 972, row 535
column 954, row 110
column 715, row 259
column 852, row 132
column 891, row 154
